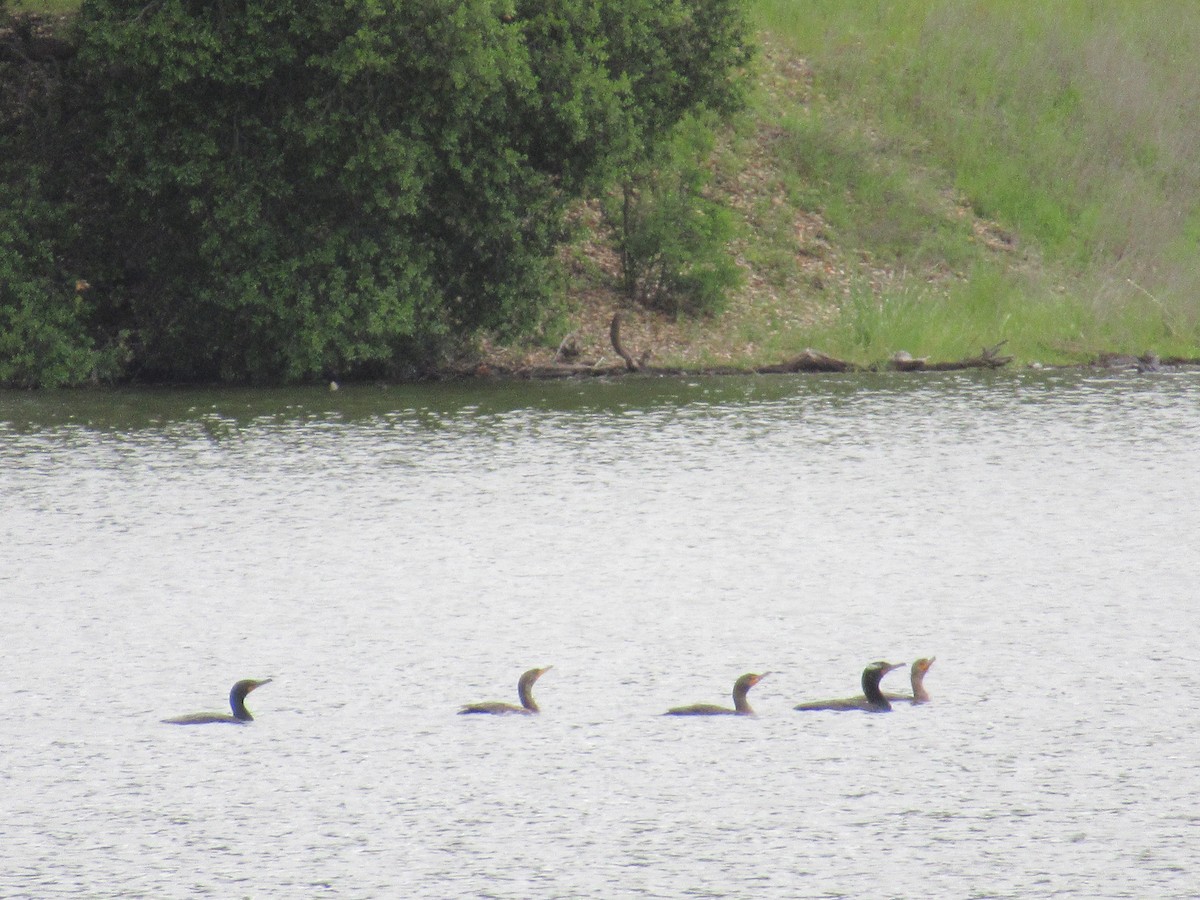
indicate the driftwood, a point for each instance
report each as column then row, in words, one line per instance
column 614, row 333
column 1147, row 362
column 988, row 358
column 565, row 366
column 816, row 361
column 809, row 361
column 570, row 370
column 903, row 361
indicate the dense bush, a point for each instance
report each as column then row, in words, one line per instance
column 44, row 338
column 45, row 326
column 290, row 190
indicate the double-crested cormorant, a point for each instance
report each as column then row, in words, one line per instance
column 917, row 676
column 237, row 702
column 741, row 707
column 528, row 706
column 872, row 699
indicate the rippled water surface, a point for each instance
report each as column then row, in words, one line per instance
column 386, row 554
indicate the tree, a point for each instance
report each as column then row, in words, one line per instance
column 45, row 330
column 292, row 190
column 672, row 239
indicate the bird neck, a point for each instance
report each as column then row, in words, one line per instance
column 870, row 686
column 740, row 703
column 525, row 692
column 237, row 703
column 920, row 695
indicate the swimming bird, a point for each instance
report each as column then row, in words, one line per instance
column 872, row 699
column 528, row 706
column 917, row 677
column 237, row 702
column 741, row 706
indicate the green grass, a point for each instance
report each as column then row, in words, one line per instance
column 984, row 171
column 1072, row 126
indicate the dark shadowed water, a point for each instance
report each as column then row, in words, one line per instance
column 388, row 554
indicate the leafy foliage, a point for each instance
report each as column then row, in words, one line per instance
column 43, row 335
column 292, row 190
column 673, row 239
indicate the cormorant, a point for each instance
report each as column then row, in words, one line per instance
column 872, row 699
column 741, row 707
column 528, row 706
column 917, row 677
column 237, row 702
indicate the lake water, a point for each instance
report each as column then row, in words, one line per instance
column 387, row 554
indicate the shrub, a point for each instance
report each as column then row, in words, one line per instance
column 298, row 190
column 673, row 240
column 44, row 339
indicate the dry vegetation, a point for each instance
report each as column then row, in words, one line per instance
column 933, row 178
column 799, row 277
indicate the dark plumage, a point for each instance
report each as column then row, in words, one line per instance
column 528, row 705
column 237, row 702
column 741, row 706
column 872, row 699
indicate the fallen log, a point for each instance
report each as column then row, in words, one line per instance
column 1147, row 362
column 903, row 361
column 988, row 358
column 537, row 373
column 809, row 360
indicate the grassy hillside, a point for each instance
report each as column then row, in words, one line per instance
column 1065, row 138
column 933, row 176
